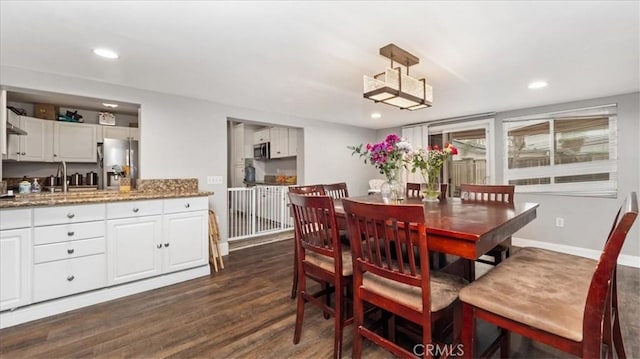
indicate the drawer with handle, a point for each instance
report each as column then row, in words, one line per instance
column 68, row 232
column 130, row 209
column 65, row 277
column 66, row 250
column 175, row 205
column 45, row 216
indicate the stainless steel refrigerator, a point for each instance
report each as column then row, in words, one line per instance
column 118, row 154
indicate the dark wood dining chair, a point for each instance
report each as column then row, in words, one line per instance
column 322, row 258
column 490, row 194
column 396, row 282
column 310, row 190
column 562, row 300
column 413, row 190
column 336, row 190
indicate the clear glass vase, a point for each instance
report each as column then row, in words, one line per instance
column 392, row 190
column 431, row 188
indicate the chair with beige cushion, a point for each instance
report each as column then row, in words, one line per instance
column 321, row 258
column 396, row 282
column 309, row 190
column 490, row 194
column 562, row 300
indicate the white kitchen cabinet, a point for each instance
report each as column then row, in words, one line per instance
column 68, row 250
column 279, row 142
column 74, row 142
column 120, row 133
column 37, row 145
column 134, row 247
column 15, row 268
column 261, row 136
column 183, row 245
column 293, row 142
column 238, row 175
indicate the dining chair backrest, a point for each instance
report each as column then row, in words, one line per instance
column 316, row 227
column 395, row 238
column 600, row 288
column 413, row 190
column 375, row 184
column 336, row 190
column 487, row 193
column 311, row 190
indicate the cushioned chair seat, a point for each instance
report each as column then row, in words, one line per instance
column 327, row 264
column 444, row 290
column 540, row 288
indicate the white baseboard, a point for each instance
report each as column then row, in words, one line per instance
column 623, row 259
column 224, row 247
column 56, row 306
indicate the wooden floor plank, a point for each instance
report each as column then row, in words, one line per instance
column 243, row 311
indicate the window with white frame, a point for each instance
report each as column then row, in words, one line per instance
column 566, row 153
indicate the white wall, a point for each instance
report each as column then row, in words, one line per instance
column 185, row 137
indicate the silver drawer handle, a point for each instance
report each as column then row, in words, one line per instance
column 70, row 251
column 70, row 215
column 187, row 205
column 135, row 210
column 70, row 233
column 70, row 278
column 159, row 246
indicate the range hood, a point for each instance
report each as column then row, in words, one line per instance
column 13, row 130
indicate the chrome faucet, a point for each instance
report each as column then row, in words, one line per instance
column 65, row 187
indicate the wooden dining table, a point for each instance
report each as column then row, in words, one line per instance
column 461, row 228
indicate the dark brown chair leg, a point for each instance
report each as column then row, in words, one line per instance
column 617, row 334
column 299, row 312
column 338, row 318
column 505, row 345
column 358, row 320
column 468, row 330
column 294, row 285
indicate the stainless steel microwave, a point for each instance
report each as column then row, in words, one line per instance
column 261, row 151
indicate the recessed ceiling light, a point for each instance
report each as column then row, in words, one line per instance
column 106, row 53
column 376, row 115
column 110, row 105
column 537, row 85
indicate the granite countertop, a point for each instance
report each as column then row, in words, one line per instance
column 261, row 183
column 55, row 199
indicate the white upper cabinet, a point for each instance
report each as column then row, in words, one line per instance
column 261, row 136
column 74, row 142
column 293, row 142
column 37, row 145
column 117, row 132
column 283, row 142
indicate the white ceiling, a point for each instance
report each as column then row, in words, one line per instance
column 307, row 59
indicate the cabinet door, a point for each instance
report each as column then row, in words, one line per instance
column 37, row 145
column 134, row 133
column 118, row 133
column 279, row 142
column 15, row 268
column 293, row 142
column 74, row 142
column 261, row 136
column 134, row 248
column 185, row 240
column 238, row 143
column 238, row 175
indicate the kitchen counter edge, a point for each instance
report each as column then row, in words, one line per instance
column 61, row 199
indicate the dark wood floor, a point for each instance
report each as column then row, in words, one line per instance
column 243, row 311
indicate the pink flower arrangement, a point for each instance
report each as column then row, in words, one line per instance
column 388, row 156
